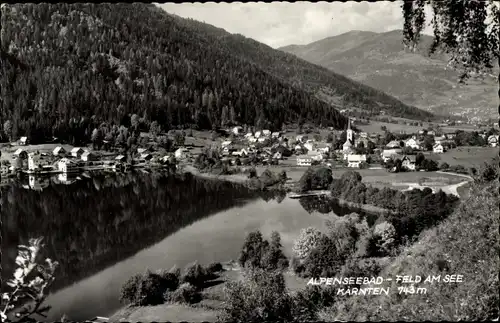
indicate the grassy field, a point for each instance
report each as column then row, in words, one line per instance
column 466, row 156
column 375, row 127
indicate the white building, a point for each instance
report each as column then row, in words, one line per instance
column 310, row 145
column 88, row 156
column 299, row 138
column 275, row 135
column 237, row 130
column 77, row 152
column 438, row 148
column 387, row 154
column 409, row 162
column 23, row 141
column 315, row 155
column 393, row 144
column 323, row 148
column 58, row 151
column 66, row 166
column 252, row 139
column 304, row 160
column 248, row 135
column 278, row 155
column 20, row 153
column 34, row 162
column 413, row 143
column 120, row 158
column 257, row 134
column 262, row 139
column 355, row 160
column 181, row 153
column 266, row 133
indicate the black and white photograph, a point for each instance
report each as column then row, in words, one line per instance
column 250, row 161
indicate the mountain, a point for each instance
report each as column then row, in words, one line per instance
column 69, row 68
column 379, row 60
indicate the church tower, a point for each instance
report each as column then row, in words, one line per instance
column 349, row 132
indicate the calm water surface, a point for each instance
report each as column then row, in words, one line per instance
column 104, row 233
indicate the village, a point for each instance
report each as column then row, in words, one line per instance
column 236, row 147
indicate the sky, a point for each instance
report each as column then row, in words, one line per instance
column 279, row 24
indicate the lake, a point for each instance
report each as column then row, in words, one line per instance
column 106, row 228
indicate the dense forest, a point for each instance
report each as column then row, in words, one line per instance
column 129, row 212
column 69, row 68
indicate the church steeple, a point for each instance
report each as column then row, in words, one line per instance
column 349, row 131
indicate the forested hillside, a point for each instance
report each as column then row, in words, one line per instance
column 68, row 68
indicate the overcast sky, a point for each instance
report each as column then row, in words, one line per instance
column 280, row 23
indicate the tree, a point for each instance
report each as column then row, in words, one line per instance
column 387, row 234
column 31, row 281
column 7, row 129
column 306, row 242
column 461, row 28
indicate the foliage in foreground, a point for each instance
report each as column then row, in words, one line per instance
column 262, row 296
column 466, row 243
column 155, row 288
column 29, row 286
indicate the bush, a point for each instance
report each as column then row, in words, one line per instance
column 261, row 296
column 259, row 253
column 170, row 279
column 143, row 289
column 214, row 268
column 308, row 301
column 185, row 294
column 195, row 275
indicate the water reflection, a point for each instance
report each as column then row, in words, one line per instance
column 106, row 227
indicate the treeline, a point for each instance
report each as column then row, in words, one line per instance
column 128, row 213
column 67, row 68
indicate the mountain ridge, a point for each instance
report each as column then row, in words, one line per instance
column 380, row 60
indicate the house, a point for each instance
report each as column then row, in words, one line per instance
column 421, row 132
column 88, row 156
column 298, row 148
column 300, row 138
column 315, row 155
column 387, row 154
column 413, row 143
column 237, row 130
column 277, row 155
column 431, row 133
column 438, row 148
column 439, row 139
column 304, row 160
column 450, row 135
column 146, row 156
column 21, row 153
column 242, row 153
column 275, row 135
column 393, row 144
column 408, row 162
column 23, row 141
column 262, row 139
column 167, row 159
column 310, row 145
column 181, row 153
column 266, row 133
column 141, row 150
column 66, row 166
column 355, row 160
column 120, row 158
column 248, row 135
column 363, row 135
column 58, row 151
column 34, row 162
column 323, row 148
column 77, row 152
column 257, row 134
column 493, row 140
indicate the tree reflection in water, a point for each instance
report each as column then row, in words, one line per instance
column 102, row 220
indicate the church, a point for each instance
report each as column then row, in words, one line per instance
column 347, row 147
